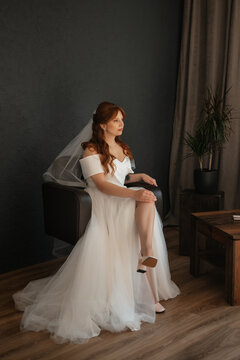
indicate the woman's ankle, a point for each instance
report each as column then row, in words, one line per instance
column 147, row 252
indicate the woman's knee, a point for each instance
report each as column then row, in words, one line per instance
column 145, row 205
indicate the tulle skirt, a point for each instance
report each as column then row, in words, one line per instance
column 98, row 286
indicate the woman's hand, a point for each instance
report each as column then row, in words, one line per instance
column 144, row 195
column 148, row 179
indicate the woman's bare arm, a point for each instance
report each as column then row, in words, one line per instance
column 115, row 190
column 140, row 177
column 112, row 189
column 133, row 178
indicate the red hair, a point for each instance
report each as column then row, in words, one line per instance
column 104, row 113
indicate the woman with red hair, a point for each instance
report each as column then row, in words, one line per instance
column 107, row 145
column 118, row 271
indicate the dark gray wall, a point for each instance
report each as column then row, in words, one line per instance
column 59, row 60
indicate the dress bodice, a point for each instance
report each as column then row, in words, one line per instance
column 92, row 165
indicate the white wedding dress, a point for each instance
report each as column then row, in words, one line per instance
column 98, row 286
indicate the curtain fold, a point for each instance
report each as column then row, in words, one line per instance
column 209, row 56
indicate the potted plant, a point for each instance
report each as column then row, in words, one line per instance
column 197, row 144
column 212, row 132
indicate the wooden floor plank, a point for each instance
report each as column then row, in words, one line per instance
column 197, row 324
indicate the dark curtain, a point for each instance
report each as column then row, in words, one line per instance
column 210, row 56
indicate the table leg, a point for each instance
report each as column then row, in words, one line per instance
column 232, row 272
column 194, row 251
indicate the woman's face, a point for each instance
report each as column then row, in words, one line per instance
column 115, row 125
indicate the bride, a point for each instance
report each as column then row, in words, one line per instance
column 118, row 270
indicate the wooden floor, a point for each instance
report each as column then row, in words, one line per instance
column 198, row 324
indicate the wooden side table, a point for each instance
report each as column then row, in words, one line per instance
column 190, row 202
column 219, row 227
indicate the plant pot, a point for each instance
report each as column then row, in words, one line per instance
column 206, row 181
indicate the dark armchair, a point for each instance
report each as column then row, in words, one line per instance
column 67, row 210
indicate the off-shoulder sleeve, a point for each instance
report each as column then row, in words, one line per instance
column 91, row 165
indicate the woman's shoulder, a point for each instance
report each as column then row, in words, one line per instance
column 89, row 151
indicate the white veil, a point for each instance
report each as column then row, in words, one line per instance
column 65, row 168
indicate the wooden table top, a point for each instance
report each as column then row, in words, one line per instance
column 221, row 220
